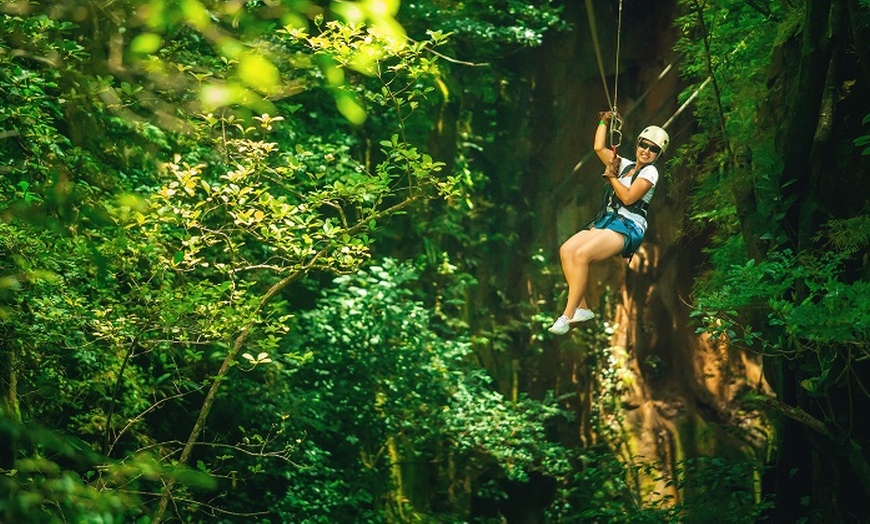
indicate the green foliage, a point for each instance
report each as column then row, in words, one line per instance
column 716, row 45
column 773, row 284
column 829, row 322
column 175, row 194
column 597, row 489
column 800, row 306
column 177, row 231
column 490, row 25
column 864, row 140
column 64, row 480
column 166, row 242
column 482, row 423
column 476, row 228
column 380, row 399
column 720, row 490
column 711, row 490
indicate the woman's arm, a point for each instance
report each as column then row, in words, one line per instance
column 633, row 193
column 600, row 144
column 630, row 195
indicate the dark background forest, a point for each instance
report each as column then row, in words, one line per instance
column 294, row 260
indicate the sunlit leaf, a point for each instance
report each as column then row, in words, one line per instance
column 258, row 72
column 349, row 106
column 146, row 43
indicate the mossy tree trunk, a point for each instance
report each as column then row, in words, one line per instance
column 813, row 110
column 10, row 414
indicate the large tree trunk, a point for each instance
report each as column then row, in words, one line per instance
column 10, row 414
column 818, row 474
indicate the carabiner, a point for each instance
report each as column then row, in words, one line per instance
column 615, row 129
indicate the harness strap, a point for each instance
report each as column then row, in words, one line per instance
column 613, row 202
column 639, row 208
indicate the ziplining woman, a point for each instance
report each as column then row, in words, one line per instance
column 621, row 226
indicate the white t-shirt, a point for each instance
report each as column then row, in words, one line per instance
column 647, row 172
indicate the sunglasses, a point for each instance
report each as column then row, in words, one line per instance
column 649, row 145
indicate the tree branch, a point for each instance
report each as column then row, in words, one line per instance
column 844, row 444
column 207, row 403
column 794, row 413
column 705, row 36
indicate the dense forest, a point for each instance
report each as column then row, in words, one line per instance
column 294, row 261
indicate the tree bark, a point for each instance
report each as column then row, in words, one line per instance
column 10, row 414
column 793, row 479
column 814, row 462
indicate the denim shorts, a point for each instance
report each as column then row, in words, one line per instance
column 631, row 233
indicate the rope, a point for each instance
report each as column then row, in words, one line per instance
column 636, row 104
column 615, row 121
column 594, row 32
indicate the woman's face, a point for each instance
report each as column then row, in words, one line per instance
column 647, row 152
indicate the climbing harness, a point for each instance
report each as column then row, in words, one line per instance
column 613, row 202
column 610, row 212
column 615, row 130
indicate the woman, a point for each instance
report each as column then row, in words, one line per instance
column 622, row 225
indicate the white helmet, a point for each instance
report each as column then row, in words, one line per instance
column 657, row 136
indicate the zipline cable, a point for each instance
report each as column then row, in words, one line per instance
column 686, row 103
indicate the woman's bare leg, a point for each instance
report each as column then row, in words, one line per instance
column 578, row 253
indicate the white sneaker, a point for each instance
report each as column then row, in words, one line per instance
column 560, row 326
column 582, row 315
